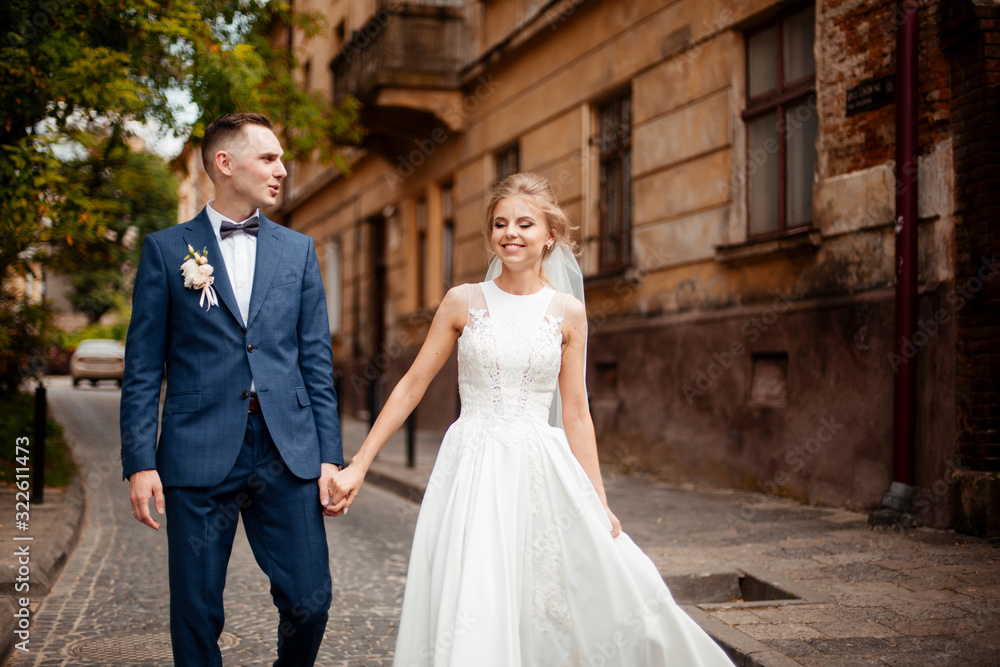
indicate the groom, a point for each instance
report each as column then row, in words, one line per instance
column 249, row 422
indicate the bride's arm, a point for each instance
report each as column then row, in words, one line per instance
column 449, row 320
column 575, row 411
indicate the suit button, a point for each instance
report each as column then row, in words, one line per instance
column 249, row 348
column 244, row 394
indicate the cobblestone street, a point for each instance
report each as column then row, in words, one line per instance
column 110, row 606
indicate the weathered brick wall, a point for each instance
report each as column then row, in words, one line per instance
column 857, row 41
column 971, row 35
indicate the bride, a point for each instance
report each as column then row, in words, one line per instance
column 517, row 559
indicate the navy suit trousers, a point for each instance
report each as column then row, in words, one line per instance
column 283, row 522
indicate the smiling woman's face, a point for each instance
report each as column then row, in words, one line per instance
column 520, row 232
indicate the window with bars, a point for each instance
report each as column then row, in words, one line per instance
column 615, row 204
column 508, row 162
column 781, row 123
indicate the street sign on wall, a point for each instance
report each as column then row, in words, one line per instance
column 871, row 94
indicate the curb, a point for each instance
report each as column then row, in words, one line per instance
column 402, row 488
column 744, row 651
column 47, row 561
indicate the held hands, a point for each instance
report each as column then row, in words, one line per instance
column 342, row 488
column 327, row 473
column 142, row 486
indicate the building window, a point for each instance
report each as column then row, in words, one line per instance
column 448, row 253
column 334, row 286
column 781, row 123
column 421, row 252
column 508, row 162
column 615, row 204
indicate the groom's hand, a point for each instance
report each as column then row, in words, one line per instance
column 327, row 472
column 142, row 486
column 344, row 488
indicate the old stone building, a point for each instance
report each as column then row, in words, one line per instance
column 732, row 165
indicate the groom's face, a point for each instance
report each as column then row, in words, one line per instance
column 257, row 170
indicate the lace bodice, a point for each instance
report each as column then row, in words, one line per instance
column 509, row 354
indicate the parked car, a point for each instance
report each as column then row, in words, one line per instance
column 98, row 359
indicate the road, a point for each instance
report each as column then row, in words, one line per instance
column 110, row 606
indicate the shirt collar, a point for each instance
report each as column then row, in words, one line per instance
column 216, row 219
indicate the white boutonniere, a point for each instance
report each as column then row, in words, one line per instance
column 198, row 275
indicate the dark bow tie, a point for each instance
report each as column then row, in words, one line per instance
column 250, row 227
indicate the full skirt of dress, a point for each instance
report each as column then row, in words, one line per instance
column 513, row 565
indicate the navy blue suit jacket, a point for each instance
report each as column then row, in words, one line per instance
column 210, row 357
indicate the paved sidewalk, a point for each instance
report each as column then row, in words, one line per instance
column 54, row 528
column 780, row 583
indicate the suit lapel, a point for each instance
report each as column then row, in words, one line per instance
column 198, row 233
column 269, row 251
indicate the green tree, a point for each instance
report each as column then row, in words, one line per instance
column 67, row 65
column 73, row 68
column 23, row 337
column 135, row 193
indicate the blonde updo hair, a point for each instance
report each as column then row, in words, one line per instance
column 536, row 190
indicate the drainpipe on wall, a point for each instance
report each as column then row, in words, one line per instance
column 901, row 492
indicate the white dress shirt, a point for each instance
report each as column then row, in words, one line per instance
column 239, row 254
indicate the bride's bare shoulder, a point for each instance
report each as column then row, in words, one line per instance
column 574, row 312
column 458, row 296
column 455, row 305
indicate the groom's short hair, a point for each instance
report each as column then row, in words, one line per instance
column 224, row 132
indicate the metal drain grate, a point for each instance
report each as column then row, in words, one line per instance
column 133, row 647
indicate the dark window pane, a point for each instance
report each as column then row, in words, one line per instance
column 762, row 60
column 421, row 251
column 762, row 172
column 508, row 162
column 610, row 126
column 798, row 30
column 611, row 178
column 446, row 202
column 616, row 125
column 781, row 127
column 800, row 161
column 615, row 142
column 449, row 255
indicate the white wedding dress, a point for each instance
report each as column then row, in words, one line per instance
column 513, row 563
